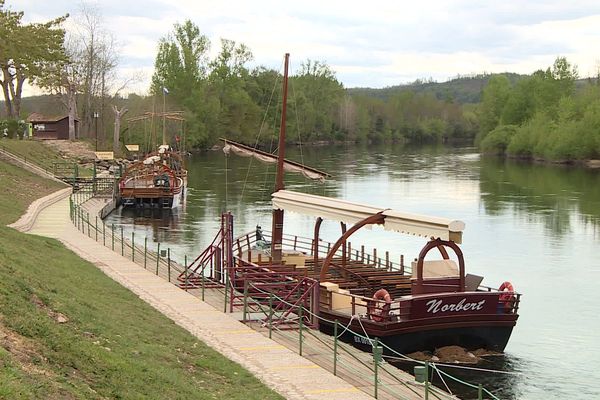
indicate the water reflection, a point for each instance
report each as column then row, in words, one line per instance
column 553, row 195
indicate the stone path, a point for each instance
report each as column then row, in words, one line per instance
column 283, row 370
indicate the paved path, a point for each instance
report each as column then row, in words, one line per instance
column 286, row 372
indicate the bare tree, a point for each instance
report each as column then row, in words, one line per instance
column 116, row 134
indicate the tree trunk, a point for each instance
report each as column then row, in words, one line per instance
column 17, row 95
column 72, row 107
column 7, row 101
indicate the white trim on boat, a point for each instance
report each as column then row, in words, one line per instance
column 342, row 210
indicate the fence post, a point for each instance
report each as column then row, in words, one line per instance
column 96, row 228
column 335, row 345
column 480, row 392
column 300, row 329
column 103, row 234
column 88, row 222
column 225, row 303
column 426, row 380
column 157, row 258
column 186, row 271
column 245, row 300
column 113, row 235
column 202, row 283
column 145, row 250
column 133, row 246
column 169, row 264
column 270, row 315
column 377, row 353
column 122, row 242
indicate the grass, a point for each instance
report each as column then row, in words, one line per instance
column 35, row 152
column 19, row 189
column 112, row 344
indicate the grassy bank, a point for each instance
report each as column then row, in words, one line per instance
column 18, row 189
column 68, row 331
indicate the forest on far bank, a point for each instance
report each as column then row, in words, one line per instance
column 550, row 114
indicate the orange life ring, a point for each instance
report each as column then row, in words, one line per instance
column 376, row 313
column 507, row 295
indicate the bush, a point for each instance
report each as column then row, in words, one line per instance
column 498, row 139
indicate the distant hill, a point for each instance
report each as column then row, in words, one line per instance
column 462, row 90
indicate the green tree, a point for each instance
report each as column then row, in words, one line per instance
column 493, row 103
column 25, row 50
column 316, row 94
column 181, row 62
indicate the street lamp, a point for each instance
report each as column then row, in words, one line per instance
column 96, row 129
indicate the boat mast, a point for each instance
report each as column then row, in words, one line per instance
column 277, row 227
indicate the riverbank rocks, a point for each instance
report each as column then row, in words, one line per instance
column 453, row 355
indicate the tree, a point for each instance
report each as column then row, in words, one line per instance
column 495, row 96
column 181, row 61
column 117, row 131
column 25, row 51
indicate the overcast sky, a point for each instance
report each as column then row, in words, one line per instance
column 367, row 43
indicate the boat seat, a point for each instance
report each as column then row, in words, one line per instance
column 472, row 282
column 437, row 269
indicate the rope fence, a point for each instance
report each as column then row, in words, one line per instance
column 372, row 371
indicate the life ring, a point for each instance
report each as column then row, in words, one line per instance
column 375, row 312
column 507, row 295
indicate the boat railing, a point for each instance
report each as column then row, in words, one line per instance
column 245, row 242
column 399, row 309
column 282, row 288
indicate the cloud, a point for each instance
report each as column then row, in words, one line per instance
column 376, row 43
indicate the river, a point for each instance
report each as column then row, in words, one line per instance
column 537, row 226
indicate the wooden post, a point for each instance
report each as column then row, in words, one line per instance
column 145, row 251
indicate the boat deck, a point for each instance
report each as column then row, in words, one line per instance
column 356, row 276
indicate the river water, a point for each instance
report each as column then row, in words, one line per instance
column 537, row 226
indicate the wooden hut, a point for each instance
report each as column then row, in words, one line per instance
column 51, row 127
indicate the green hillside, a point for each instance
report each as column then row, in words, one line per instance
column 67, row 331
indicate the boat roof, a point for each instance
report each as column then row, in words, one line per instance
column 349, row 212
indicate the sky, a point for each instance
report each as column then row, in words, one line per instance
column 366, row 43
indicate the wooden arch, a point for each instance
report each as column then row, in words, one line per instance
column 378, row 218
column 441, row 246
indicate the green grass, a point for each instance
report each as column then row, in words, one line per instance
column 18, row 189
column 113, row 345
column 35, row 152
column 32, row 150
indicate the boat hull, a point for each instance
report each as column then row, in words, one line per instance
column 489, row 337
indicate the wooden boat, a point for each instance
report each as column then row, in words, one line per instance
column 424, row 306
column 159, row 180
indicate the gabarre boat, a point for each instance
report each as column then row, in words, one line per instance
column 159, row 180
column 431, row 304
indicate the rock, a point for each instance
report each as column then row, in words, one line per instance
column 61, row 318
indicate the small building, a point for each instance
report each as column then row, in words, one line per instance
column 51, row 127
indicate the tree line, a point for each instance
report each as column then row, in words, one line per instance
column 223, row 97
column 543, row 115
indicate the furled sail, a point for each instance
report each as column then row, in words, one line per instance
column 289, row 166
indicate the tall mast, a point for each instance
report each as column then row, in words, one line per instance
column 277, row 227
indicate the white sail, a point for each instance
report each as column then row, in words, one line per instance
column 289, row 166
